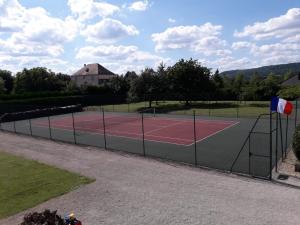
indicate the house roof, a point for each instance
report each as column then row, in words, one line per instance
column 294, row 80
column 93, row 69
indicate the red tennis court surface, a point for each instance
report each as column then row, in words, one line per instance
column 167, row 130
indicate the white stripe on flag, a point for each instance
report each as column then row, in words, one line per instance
column 281, row 105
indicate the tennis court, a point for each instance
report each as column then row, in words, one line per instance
column 212, row 142
column 165, row 130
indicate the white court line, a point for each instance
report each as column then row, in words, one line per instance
column 94, row 133
column 179, row 139
column 215, row 133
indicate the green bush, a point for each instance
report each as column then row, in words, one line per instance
column 296, row 142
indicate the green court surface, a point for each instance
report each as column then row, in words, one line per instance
column 218, row 150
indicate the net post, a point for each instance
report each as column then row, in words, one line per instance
column 74, row 130
column 195, row 138
column 144, row 152
column 271, row 150
column 104, row 131
column 30, row 127
column 49, row 126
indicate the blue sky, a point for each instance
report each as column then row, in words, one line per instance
column 130, row 35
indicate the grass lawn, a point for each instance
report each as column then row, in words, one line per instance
column 213, row 108
column 26, row 183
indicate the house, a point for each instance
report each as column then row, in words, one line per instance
column 92, row 75
column 293, row 81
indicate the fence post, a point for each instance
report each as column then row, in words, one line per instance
column 286, row 135
column 144, row 153
column 128, row 107
column 296, row 113
column 49, row 125
column 195, row 137
column 250, row 154
column 104, row 131
column 74, row 130
column 209, row 108
column 15, row 130
column 271, row 150
column 30, row 127
column 237, row 109
column 276, row 145
column 281, row 138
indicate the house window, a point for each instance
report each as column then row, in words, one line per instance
column 100, row 81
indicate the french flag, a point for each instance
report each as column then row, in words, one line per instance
column 281, row 106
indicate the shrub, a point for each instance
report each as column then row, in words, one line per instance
column 49, row 218
column 296, row 142
column 46, row 217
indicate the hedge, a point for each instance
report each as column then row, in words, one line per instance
column 40, row 103
column 296, row 142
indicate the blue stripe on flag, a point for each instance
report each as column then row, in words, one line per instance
column 274, row 104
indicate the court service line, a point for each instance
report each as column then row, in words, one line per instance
column 89, row 130
column 122, row 136
column 215, row 133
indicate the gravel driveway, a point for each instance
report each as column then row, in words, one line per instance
column 133, row 190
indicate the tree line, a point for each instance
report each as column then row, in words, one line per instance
column 186, row 80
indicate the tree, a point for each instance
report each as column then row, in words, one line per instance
column 143, row 87
column 2, row 86
column 119, row 85
column 269, row 86
column 218, row 85
column 238, row 84
column 38, row 79
column 190, row 80
column 8, row 80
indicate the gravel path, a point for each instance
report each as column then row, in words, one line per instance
column 133, row 190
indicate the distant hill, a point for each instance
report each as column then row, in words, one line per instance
column 279, row 69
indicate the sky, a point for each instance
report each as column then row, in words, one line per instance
column 129, row 35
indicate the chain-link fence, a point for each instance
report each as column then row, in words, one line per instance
column 241, row 145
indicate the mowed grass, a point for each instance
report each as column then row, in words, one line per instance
column 204, row 108
column 26, row 183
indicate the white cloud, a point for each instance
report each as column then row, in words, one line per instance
column 201, row 39
column 31, row 37
column 120, row 56
column 230, row 63
column 283, row 26
column 242, row 45
column 35, row 30
column 171, row 20
column 88, row 9
column 293, row 39
column 139, row 5
column 108, row 30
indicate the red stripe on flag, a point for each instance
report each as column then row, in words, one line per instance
column 288, row 108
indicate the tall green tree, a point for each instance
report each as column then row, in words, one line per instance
column 8, row 80
column 2, row 86
column 143, row 87
column 38, row 79
column 190, row 80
